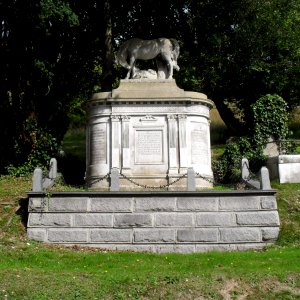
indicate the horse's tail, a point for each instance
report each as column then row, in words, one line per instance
column 176, row 48
column 122, row 55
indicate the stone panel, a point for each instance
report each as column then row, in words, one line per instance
column 197, row 204
column 38, row 204
column 132, row 220
column 37, row 234
column 154, row 235
column 93, row 219
column 135, row 248
column 67, row 235
column 215, row 219
column 155, row 204
column 111, row 204
column 250, row 246
column 111, row 235
column 258, row 218
column 197, row 235
column 270, row 233
column 174, row 248
column 69, row 204
column 49, row 219
column 174, row 219
column 242, row 234
column 239, row 203
column 268, row 202
column 215, row 247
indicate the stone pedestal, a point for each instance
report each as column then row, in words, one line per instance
column 152, row 132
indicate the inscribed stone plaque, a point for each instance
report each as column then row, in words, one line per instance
column 199, row 144
column 98, row 142
column 148, row 146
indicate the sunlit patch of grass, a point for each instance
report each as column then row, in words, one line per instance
column 79, row 273
column 288, row 199
column 218, row 129
column 294, row 123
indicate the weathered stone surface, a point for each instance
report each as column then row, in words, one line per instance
column 111, row 235
column 68, row 204
column 135, row 248
column 37, row 234
column 215, row 219
column 133, row 220
column 155, row 204
column 174, row 219
column 50, row 219
column 239, row 203
column 197, row 235
column 67, row 235
column 114, row 179
column 214, row 247
column 154, row 235
column 111, row 204
column 174, row 248
column 250, row 246
column 37, row 180
column 265, row 179
column 268, row 202
column 93, row 219
column 191, row 182
column 242, row 234
column 258, row 218
column 157, row 224
column 270, row 234
column 289, row 168
column 37, row 204
column 197, row 204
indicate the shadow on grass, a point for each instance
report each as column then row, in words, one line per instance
column 23, row 210
column 73, row 170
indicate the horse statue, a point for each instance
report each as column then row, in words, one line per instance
column 165, row 51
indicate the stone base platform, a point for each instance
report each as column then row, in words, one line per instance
column 184, row 222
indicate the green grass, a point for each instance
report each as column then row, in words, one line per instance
column 218, row 129
column 74, row 143
column 37, row 272
column 294, row 123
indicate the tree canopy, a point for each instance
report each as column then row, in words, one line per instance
column 56, row 53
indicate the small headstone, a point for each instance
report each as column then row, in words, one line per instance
column 37, row 180
column 191, row 182
column 114, row 180
column 53, row 168
column 265, row 179
column 245, row 169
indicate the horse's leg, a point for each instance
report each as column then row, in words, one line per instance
column 169, row 67
column 130, row 72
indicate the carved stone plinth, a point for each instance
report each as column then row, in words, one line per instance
column 152, row 132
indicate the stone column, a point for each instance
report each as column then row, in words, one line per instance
column 173, row 144
column 115, row 141
column 183, row 152
column 126, row 161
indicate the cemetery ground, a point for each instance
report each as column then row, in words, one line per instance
column 32, row 270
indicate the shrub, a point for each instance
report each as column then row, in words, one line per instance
column 38, row 144
column 270, row 119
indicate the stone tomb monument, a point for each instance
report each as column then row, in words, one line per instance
column 151, row 131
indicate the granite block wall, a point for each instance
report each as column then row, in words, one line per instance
column 181, row 222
